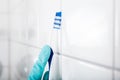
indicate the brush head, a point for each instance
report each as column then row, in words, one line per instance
column 57, row 20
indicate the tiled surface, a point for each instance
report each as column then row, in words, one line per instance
column 17, row 6
column 88, row 30
column 117, row 75
column 34, row 25
column 22, row 59
column 3, row 6
column 5, row 73
column 76, row 70
column 117, row 40
column 4, row 52
column 3, row 26
column 117, row 35
column 28, row 29
column 21, row 6
column 3, row 20
column 87, row 34
column 38, row 31
column 18, row 27
column 117, row 57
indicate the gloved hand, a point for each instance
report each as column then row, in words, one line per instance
column 38, row 68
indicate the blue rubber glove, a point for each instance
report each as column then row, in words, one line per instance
column 38, row 68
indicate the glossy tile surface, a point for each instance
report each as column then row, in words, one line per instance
column 3, row 6
column 3, row 26
column 4, row 52
column 32, row 21
column 117, row 35
column 117, row 75
column 22, row 59
column 88, row 30
column 5, row 73
column 76, row 70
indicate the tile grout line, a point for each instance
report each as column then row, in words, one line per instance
column 9, row 44
column 113, row 57
column 91, row 62
column 22, row 43
column 75, row 58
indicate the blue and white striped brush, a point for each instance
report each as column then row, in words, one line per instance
column 55, row 71
column 57, row 20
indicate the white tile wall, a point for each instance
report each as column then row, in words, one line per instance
column 88, row 29
column 76, row 70
column 18, row 27
column 3, row 40
column 37, row 33
column 117, row 75
column 3, row 20
column 4, row 60
column 4, row 52
column 42, row 19
column 5, row 74
column 117, row 57
column 30, row 25
column 117, row 34
column 22, row 59
column 87, row 34
column 31, row 22
column 3, row 26
column 22, row 6
column 3, row 6
column 28, row 29
column 117, row 40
